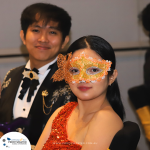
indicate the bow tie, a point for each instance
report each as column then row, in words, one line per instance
column 30, row 81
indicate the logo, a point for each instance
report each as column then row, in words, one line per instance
column 14, row 141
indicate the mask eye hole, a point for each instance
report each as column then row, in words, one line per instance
column 74, row 71
column 93, row 70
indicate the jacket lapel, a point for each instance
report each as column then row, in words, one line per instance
column 16, row 82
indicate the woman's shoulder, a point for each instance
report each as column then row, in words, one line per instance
column 108, row 116
column 106, row 121
column 102, row 128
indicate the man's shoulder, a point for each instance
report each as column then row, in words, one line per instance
column 14, row 71
column 17, row 68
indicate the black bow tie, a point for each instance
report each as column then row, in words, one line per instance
column 30, row 81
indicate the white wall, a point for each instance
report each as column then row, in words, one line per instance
column 114, row 20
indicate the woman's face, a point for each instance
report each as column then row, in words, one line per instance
column 88, row 90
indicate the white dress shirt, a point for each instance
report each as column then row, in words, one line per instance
column 21, row 108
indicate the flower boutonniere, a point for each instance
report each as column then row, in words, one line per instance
column 44, row 93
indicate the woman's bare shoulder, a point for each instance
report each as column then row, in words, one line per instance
column 102, row 128
column 108, row 117
column 106, row 122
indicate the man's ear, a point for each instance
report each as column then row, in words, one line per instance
column 22, row 37
column 113, row 77
column 65, row 41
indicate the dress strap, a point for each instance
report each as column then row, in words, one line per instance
column 59, row 123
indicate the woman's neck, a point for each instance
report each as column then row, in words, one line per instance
column 90, row 107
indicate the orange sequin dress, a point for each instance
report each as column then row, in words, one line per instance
column 58, row 139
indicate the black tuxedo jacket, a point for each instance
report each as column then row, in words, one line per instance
column 59, row 92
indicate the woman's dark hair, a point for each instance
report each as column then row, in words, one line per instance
column 104, row 49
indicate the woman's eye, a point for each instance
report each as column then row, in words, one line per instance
column 74, row 71
column 93, row 70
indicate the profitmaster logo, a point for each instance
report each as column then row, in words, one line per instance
column 14, row 141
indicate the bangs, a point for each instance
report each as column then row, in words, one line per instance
column 45, row 17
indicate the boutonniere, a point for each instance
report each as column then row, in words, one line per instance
column 44, row 94
column 31, row 75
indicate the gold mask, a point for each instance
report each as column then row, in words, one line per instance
column 81, row 69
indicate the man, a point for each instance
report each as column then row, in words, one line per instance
column 28, row 91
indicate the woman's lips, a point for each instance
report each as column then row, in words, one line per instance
column 84, row 88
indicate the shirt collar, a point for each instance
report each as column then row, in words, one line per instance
column 43, row 69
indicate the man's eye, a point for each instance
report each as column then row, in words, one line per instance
column 52, row 32
column 74, row 71
column 93, row 70
column 35, row 30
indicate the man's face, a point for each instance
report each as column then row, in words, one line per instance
column 43, row 42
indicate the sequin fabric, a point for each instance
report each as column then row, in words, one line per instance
column 58, row 139
column 82, row 63
column 63, row 65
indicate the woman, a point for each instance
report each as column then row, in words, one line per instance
column 92, row 121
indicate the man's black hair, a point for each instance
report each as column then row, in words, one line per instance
column 46, row 12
